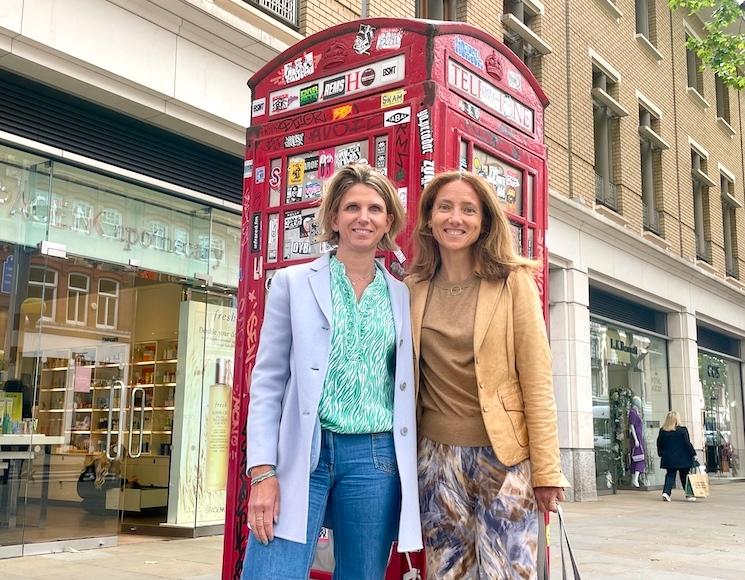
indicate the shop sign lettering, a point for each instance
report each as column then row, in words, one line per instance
column 397, row 117
column 365, row 77
column 258, row 108
column 255, row 232
column 363, row 39
column 427, row 171
column 389, row 38
column 617, row 344
column 490, row 96
column 334, row 87
column 425, row 132
column 298, row 69
column 341, row 112
column 392, row 98
column 468, row 53
column 260, row 174
column 308, row 95
column 294, row 140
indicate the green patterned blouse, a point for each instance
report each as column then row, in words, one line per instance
column 358, row 390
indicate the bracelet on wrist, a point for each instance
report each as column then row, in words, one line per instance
column 264, row 476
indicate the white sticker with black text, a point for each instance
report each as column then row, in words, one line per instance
column 397, row 116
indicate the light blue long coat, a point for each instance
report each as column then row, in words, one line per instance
column 283, row 426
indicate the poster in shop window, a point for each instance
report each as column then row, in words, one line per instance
column 199, row 454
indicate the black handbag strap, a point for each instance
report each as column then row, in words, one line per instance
column 564, row 538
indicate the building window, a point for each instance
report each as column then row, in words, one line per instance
column 437, row 9
column 606, row 114
column 651, row 145
column 701, row 217
column 108, row 303
column 159, row 230
column 693, row 67
column 722, row 100
column 522, row 22
column 111, row 223
column 646, row 20
column 78, row 286
column 82, row 212
column 181, row 241
column 42, row 285
column 729, row 224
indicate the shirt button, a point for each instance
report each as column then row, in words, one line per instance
column 481, row 385
column 404, row 430
column 477, row 360
column 401, row 342
column 485, row 408
column 403, row 386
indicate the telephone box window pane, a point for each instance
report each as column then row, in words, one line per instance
column 530, row 210
column 506, row 180
column 272, row 238
column 356, row 152
column 381, row 154
column 275, row 182
column 464, row 155
column 300, row 232
column 517, row 236
column 531, row 243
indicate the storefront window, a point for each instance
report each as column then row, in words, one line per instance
column 629, row 377
column 724, row 429
column 108, row 355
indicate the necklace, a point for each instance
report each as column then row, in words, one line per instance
column 361, row 279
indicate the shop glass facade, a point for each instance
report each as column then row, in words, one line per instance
column 117, row 308
column 626, row 364
column 724, row 429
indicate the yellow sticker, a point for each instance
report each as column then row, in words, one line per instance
column 296, row 170
column 392, row 98
column 341, row 112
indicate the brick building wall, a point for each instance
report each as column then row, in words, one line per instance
column 653, row 72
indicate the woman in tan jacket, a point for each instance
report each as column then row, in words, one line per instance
column 488, row 446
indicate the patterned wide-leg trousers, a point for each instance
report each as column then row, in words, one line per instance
column 479, row 517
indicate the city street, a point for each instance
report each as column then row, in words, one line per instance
column 628, row 535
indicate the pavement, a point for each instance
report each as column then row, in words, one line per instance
column 630, row 535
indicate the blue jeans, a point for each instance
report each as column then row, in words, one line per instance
column 357, row 480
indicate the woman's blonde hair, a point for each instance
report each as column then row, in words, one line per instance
column 494, row 250
column 341, row 181
column 672, row 420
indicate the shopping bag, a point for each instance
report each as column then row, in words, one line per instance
column 697, row 485
column 413, row 573
column 564, row 539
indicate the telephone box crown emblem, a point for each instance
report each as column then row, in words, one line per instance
column 495, row 65
column 335, row 54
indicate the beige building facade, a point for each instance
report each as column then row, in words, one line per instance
column 646, row 224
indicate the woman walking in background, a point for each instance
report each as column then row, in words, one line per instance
column 331, row 421
column 676, row 453
column 488, row 447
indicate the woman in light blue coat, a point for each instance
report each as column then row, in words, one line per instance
column 331, row 420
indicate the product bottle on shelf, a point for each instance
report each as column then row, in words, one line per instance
column 218, row 428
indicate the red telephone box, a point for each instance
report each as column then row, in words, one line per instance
column 410, row 97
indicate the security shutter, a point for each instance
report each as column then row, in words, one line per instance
column 41, row 113
column 624, row 311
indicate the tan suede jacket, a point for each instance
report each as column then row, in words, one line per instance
column 513, row 371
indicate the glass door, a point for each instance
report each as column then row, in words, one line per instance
column 75, row 329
